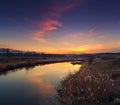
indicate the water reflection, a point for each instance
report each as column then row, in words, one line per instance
column 47, row 77
column 43, row 86
column 35, row 86
column 27, row 68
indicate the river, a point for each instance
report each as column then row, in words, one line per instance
column 33, row 86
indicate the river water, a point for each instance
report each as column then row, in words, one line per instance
column 33, row 86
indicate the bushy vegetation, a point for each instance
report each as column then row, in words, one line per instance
column 86, row 87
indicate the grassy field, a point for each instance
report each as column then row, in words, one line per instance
column 109, row 66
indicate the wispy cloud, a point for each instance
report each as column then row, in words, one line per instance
column 66, row 5
column 45, row 26
column 95, row 29
column 39, row 36
column 51, row 23
column 92, row 32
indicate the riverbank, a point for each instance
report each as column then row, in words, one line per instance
column 97, row 83
column 11, row 63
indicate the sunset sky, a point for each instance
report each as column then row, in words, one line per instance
column 60, row 26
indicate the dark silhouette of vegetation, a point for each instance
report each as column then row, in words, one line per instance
column 10, row 52
column 90, row 59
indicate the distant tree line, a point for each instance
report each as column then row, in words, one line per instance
column 10, row 52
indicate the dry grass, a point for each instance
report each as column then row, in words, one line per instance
column 10, row 63
column 86, row 87
column 107, row 66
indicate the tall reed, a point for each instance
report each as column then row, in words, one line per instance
column 86, row 87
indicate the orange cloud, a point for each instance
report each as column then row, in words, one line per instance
column 4, row 46
column 89, row 48
column 39, row 36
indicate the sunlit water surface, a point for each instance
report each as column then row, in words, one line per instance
column 35, row 86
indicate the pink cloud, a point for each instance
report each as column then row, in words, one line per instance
column 51, row 23
column 45, row 26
